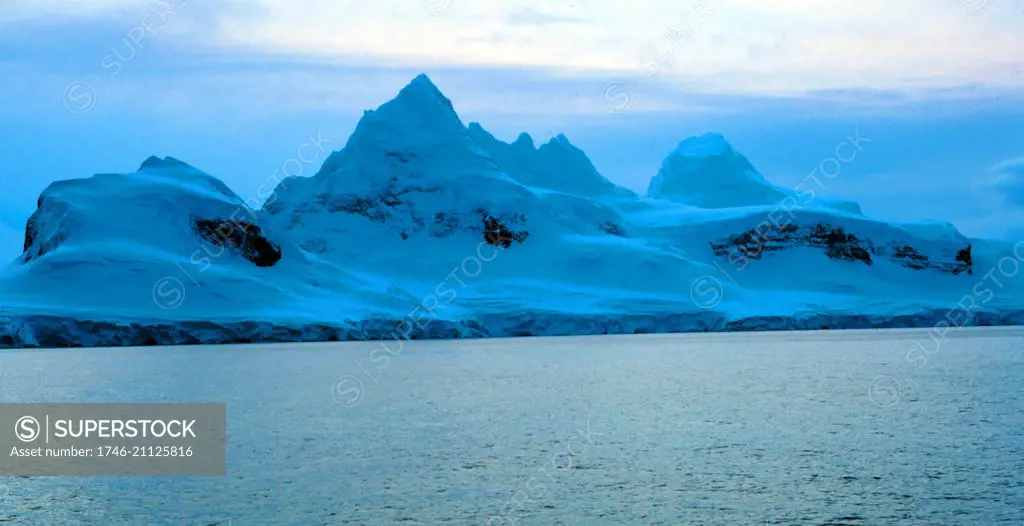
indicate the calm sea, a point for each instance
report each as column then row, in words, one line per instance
column 842, row 427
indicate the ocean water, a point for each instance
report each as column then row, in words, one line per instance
column 841, row 427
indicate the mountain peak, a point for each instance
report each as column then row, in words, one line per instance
column 419, row 118
column 707, row 172
column 420, row 99
column 524, row 139
column 167, row 162
column 422, row 89
column 706, row 145
column 422, row 78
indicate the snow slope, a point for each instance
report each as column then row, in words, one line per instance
column 423, row 227
column 122, row 246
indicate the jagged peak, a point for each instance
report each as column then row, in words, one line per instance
column 556, row 164
column 477, row 131
column 561, row 142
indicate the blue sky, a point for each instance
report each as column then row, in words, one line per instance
column 234, row 87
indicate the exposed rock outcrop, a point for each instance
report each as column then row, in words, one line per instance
column 45, row 230
column 839, row 244
column 245, row 238
column 499, row 235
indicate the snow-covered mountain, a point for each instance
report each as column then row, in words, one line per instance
column 423, row 227
column 707, row 172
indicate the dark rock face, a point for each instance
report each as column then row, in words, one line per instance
column 612, row 228
column 242, row 236
column 30, row 235
column 964, row 256
column 499, row 235
column 378, row 206
column 38, row 243
column 910, row 258
column 839, row 245
column 836, row 242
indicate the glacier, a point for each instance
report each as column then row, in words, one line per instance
column 421, row 226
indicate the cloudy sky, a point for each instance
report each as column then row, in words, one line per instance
column 235, row 86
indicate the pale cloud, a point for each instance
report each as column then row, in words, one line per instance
column 736, row 46
column 535, row 17
column 742, row 46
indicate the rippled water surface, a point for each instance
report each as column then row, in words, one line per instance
column 772, row 428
